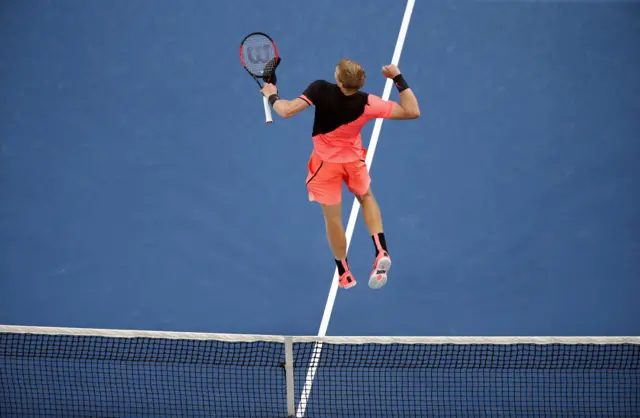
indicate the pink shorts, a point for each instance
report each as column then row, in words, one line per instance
column 324, row 180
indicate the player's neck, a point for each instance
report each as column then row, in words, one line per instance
column 347, row 92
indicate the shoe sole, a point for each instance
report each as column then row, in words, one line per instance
column 349, row 286
column 379, row 276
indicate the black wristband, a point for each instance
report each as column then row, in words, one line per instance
column 273, row 98
column 401, row 83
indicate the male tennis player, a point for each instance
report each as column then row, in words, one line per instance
column 338, row 155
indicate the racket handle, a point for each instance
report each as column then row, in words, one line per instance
column 267, row 110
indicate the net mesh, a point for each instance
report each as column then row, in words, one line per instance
column 66, row 375
column 520, row 379
column 63, row 372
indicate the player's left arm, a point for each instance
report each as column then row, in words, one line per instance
column 284, row 108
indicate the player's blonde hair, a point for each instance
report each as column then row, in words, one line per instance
column 350, row 74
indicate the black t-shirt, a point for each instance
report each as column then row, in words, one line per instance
column 333, row 107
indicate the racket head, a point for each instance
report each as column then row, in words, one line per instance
column 258, row 53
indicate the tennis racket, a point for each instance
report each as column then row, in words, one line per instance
column 259, row 56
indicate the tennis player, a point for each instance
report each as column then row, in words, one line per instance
column 338, row 156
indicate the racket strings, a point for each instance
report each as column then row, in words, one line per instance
column 257, row 52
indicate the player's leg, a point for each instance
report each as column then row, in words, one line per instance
column 324, row 182
column 335, row 230
column 338, row 242
column 359, row 183
column 373, row 219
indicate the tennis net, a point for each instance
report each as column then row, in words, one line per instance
column 92, row 372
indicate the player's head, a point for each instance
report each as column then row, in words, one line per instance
column 350, row 75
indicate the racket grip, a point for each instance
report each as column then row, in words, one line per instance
column 267, row 110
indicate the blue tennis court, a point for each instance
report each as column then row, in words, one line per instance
column 140, row 188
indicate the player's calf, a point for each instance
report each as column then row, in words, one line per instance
column 338, row 244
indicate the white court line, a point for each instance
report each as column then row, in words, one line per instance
column 313, row 365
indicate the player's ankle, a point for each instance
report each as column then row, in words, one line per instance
column 379, row 243
column 343, row 266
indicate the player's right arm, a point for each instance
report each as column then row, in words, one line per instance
column 408, row 107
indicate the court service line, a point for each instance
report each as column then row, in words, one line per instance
column 355, row 208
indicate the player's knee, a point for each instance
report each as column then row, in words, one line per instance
column 366, row 195
column 332, row 213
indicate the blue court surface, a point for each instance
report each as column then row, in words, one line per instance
column 140, row 187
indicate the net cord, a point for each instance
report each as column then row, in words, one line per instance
column 501, row 340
